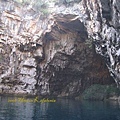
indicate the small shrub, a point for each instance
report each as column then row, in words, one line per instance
column 89, row 43
column 57, row 46
column 45, row 11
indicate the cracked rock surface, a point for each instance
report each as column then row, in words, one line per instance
column 61, row 54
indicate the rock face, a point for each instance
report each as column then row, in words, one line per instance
column 62, row 54
column 104, row 24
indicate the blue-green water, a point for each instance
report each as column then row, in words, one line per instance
column 62, row 109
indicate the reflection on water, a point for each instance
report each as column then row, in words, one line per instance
column 63, row 109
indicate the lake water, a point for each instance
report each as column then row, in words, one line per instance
column 62, row 109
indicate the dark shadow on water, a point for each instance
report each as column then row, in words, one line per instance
column 63, row 109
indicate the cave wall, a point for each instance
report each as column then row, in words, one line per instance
column 103, row 26
column 102, row 20
column 70, row 74
column 61, row 54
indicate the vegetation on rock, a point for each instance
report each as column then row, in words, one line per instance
column 100, row 92
column 37, row 5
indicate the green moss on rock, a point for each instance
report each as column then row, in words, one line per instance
column 100, row 92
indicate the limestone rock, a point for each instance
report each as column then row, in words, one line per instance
column 61, row 54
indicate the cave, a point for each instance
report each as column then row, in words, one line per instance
column 61, row 54
column 72, row 70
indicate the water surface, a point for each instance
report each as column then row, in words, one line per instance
column 62, row 109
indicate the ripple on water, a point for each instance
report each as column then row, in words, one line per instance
column 63, row 109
